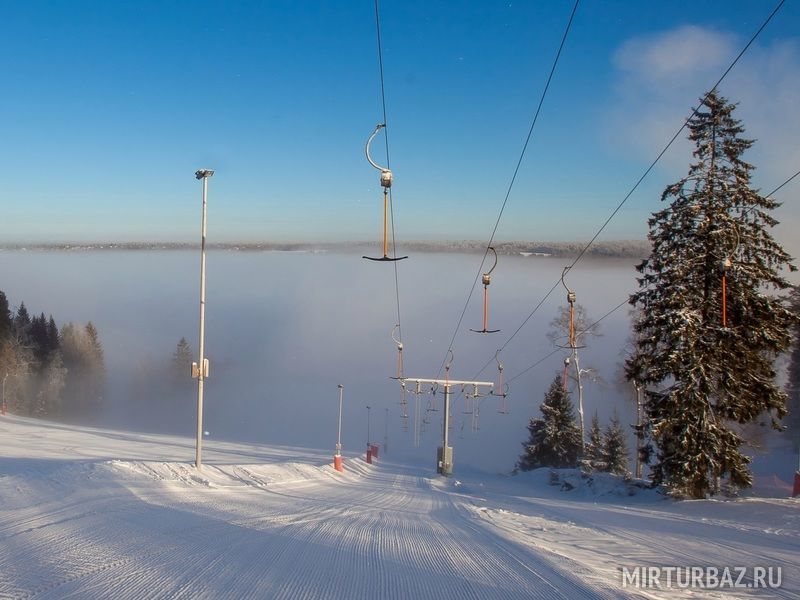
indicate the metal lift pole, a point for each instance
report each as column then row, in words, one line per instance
column 200, row 369
column 444, row 454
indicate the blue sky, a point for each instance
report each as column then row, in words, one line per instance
column 108, row 108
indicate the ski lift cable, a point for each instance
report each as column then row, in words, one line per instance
column 609, row 313
column 677, row 134
column 513, row 179
column 388, row 162
column 647, row 171
column 783, row 184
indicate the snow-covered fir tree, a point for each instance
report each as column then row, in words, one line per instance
column 710, row 325
column 615, row 448
column 593, row 458
column 793, row 384
column 555, row 439
column 6, row 321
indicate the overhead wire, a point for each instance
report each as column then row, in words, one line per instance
column 647, row 171
column 783, row 184
column 615, row 309
column 513, row 179
column 388, row 164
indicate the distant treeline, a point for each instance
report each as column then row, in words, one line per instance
column 609, row 249
column 47, row 371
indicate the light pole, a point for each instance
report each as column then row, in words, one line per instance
column 4, row 392
column 200, row 369
column 337, row 458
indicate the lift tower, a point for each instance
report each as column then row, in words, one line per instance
column 444, row 454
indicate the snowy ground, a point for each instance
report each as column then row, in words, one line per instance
column 88, row 513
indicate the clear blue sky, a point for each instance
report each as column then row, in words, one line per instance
column 108, row 108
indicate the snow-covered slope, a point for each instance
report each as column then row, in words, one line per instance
column 88, row 513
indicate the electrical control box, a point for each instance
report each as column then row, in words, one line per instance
column 196, row 370
column 444, row 460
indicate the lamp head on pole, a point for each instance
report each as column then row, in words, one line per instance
column 203, row 173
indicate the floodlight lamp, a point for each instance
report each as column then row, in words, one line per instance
column 203, row 173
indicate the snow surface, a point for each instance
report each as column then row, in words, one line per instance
column 89, row 513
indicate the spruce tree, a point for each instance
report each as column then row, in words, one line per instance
column 22, row 322
column 615, row 448
column 41, row 341
column 703, row 375
column 593, row 461
column 53, row 340
column 793, row 384
column 181, row 361
column 96, row 372
column 555, row 439
column 6, row 322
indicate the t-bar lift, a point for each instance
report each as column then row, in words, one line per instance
column 386, row 183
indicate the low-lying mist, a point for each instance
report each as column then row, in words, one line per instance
column 284, row 328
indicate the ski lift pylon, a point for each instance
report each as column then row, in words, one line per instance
column 501, row 385
column 486, row 280
column 386, row 183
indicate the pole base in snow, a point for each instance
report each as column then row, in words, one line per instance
column 374, row 450
column 796, row 490
column 337, row 463
column 369, row 455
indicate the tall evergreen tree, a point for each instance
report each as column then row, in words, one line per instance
column 701, row 374
column 22, row 322
column 615, row 448
column 96, row 384
column 793, row 384
column 45, row 338
column 555, row 439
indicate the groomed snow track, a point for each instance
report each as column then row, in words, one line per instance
column 77, row 523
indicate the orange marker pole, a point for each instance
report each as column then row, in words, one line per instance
column 485, row 308
column 571, row 325
column 385, row 222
